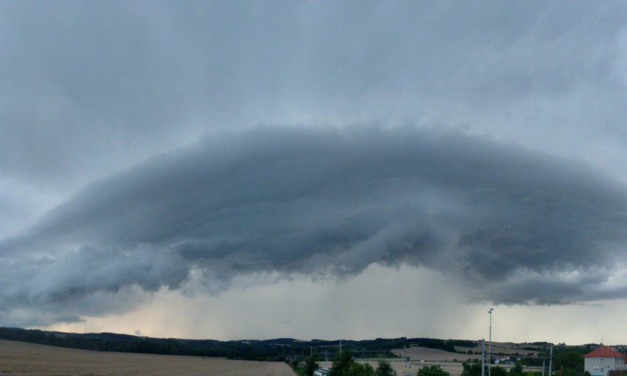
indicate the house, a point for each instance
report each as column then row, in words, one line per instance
column 321, row 372
column 508, row 360
column 602, row 360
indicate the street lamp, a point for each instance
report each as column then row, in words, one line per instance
column 490, row 345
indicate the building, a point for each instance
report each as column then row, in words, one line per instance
column 505, row 360
column 602, row 360
column 321, row 372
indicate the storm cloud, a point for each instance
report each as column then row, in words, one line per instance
column 180, row 150
column 89, row 88
column 512, row 225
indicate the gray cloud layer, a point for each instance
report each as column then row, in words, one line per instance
column 513, row 201
column 514, row 226
column 89, row 87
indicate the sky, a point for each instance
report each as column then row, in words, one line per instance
column 356, row 169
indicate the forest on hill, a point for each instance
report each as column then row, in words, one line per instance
column 279, row 349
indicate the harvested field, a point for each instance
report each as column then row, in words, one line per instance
column 18, row 358
column 428, row 354
column 412, row 367
column 423, row 356
column 506, row 348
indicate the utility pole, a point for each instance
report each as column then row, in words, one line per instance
column 490, row 345
column 543, row 363
column 551, row 361
column 483, row 357
column 340, row 348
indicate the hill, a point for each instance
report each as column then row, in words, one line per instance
column 278, row 349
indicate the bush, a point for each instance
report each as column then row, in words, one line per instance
column 432, row 371
column 517, row 370
column 498, row 371
column 384, row 369
column 311, row 365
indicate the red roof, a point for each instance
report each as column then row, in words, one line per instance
column 603, row 352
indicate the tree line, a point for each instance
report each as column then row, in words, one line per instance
column 264, row 350
column 344, row 364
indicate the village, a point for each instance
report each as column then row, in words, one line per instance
column 507, row 359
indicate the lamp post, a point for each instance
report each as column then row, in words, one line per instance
column 490, row 345
column 483, row 357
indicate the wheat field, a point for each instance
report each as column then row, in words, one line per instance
column 18, row 358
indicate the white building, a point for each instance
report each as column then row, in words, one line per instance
column 602, row 360
column 321, row 372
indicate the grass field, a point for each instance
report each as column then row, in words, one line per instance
column 18, row 358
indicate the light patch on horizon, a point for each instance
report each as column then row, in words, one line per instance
column 381, row 303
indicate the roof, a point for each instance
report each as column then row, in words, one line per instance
column 603, row 352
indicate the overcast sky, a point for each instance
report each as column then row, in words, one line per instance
column 315, row 169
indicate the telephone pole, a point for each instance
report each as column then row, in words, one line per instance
column 551, row 362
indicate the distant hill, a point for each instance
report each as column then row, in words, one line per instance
column 269, row 350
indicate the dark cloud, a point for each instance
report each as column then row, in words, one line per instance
column 87, row 281
column 329, row 203
column 29, row 318
column 507, row 194
column 89, row 88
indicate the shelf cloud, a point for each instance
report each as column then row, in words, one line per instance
column 511, row 225
column 155, row 150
